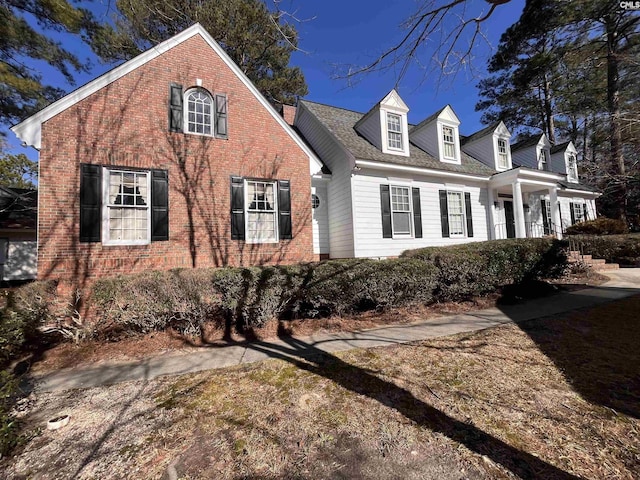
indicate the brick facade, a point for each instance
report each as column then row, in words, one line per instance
column 125, row 124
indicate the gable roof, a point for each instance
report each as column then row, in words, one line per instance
column 18, row 208
column 560, row 147
column 527, row 142
column 479, row 133
column 29, row 130
column 433, row 116
column 340, row 123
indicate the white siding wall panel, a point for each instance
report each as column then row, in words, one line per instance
column 368, row 215
column 525, row 157
column 340, row 229
column 482, row 149
column 427, row 139
column 371, row 129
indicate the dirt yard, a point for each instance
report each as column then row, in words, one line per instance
column 551, row 398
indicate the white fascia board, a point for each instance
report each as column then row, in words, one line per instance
column 321, row 177
column 30, row 130
column 584, row 193
column 419, row 170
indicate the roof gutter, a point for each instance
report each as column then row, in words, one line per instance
column 422, row 171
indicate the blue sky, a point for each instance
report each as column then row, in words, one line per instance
column 348, row 32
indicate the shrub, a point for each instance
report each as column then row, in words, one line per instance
column 346, row 286
column 8, row 427
column 622, row 249
column 181, row 299
column 599, row 226
column 482, row 267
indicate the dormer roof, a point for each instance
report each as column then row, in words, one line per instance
column 560, row 147
column 391, row 100
column 495, row 126
column 445, row 113
column 528, row 141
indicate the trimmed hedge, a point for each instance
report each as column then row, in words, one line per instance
column 482, row 267
column 621, row 249
column 251, row 296
column 599, row 226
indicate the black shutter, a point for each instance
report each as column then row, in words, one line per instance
column 175, row 107
column 284, row 209
column 385, row 203
column 237, row 208
column 417, row 212
column 560, row 227
column 90, row 202
column 584, row 212
column 573, row 213
column 444, row 213
column 545, row 219
column 159, row 205
column 467, row 206
column 221, row 116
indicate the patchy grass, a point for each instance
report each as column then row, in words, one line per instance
column 551, row 398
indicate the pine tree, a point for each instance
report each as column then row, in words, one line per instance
column 22, row 89
column 258, row 40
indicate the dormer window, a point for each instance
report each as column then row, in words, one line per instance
column 542, row 160
column 503, row 156
column 448, row 139
column 572, row 167
column 394, row 131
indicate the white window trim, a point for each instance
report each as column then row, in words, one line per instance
column 572, row 173
column 456, row 143
column 497, row 150
column 464, row 215
column 384, row 132
column 105, row 207
column 411, row 226
column 275, row 212
column 578, row 205
column 401, row 132
column 547, row 159
column 185, row 112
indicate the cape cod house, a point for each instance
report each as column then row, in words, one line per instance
column 174, row 159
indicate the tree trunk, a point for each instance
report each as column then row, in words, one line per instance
column 548, row 109
column 615, row 133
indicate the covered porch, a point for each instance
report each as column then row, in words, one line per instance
column 511, row 210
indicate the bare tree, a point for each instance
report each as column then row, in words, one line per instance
column 438, row 35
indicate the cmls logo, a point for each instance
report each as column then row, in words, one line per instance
column 630, row 5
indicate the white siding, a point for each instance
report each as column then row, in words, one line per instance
column 21, row 261
column 338, row 188
column 427, row 138
column 370, row 128
column 482, row 149
column 526, row 157
column 320, row 221
column 558, row 162
column 368, row 214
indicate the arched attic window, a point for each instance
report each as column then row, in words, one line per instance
column 198, row 105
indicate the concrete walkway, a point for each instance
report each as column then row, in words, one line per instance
column 623, row 283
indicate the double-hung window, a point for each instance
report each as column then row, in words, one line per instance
column 394, row 131
column 456, row 208
column 448, row 142
column 572, row 170
column 261, row 213
column 127, row 214
column 578, row 212
column 542, row 160
column 503, row 160
column 401, row 210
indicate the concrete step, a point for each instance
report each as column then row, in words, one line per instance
column 602, row 267
column 578, row 257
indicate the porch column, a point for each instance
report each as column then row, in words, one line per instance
column 555, row 212
column 492, row 214
column 518, row 210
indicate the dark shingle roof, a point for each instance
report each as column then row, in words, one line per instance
column 340, row 123
column 576, row 186
column 480, row 133
column 560, row 147
column 18, row 208
column 527, row 142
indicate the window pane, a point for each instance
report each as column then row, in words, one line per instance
column 401, row 223
column 199, row 107
column 456, row 213
column 394, row 131
column 127, row 203
column 261, row 226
